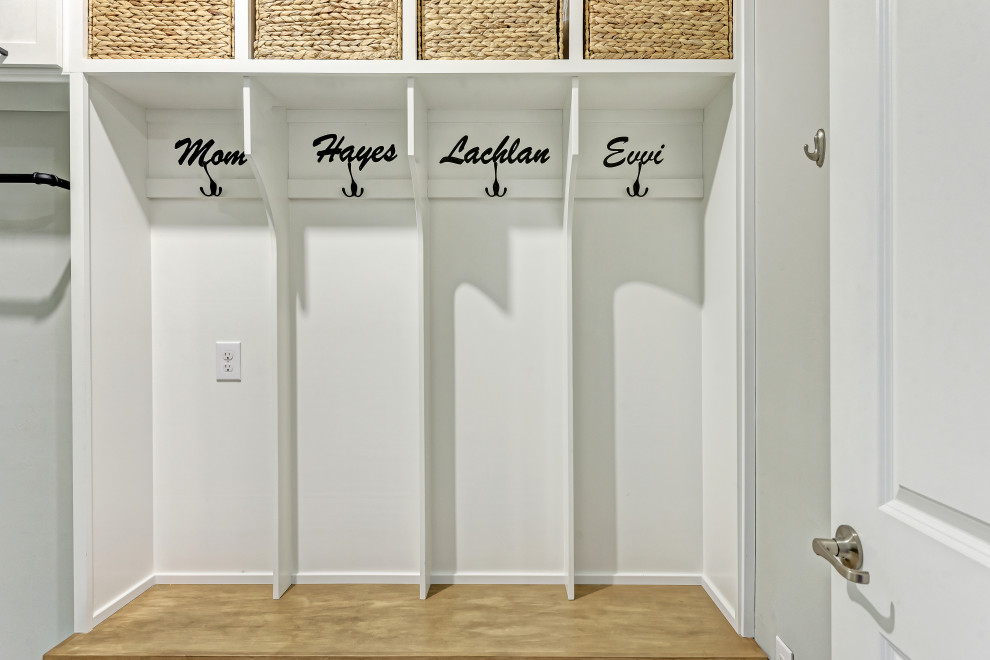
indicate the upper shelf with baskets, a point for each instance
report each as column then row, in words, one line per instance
column 402, row 37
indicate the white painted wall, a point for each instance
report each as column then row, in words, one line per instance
column 35, row 388
column 720, row 356
column 637, row 388
column 355, row 275
column 210, row 264
column 792, row 307
column 213, row 477
column 497, row 445
column 121, row 349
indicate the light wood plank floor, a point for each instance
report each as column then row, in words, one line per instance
column 329, row 622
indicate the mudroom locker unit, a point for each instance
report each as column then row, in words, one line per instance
column 492, row 321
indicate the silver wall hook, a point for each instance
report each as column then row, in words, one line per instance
column 818, row 155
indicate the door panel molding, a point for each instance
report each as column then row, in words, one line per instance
column 950, row 527
column 945, row 524
column 885, row 207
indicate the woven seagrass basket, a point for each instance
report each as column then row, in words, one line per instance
column 658, row 29
column 328, row 29
column 490, row 30
column 153, row 29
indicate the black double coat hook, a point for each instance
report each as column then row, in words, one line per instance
column 635, row 192
column 354, row 186
column 496, row 187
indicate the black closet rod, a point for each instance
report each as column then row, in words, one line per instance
column 38, row 178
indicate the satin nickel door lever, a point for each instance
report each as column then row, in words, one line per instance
column 845, row 553
column 818, row 155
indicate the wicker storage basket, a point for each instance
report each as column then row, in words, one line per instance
column 157, row 29
column 328, row 29
column 490, row 30
column 658, row 29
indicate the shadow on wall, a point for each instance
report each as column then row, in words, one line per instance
column 496, row 269
column 638, row 289
column 498, row 387
column 35, row 390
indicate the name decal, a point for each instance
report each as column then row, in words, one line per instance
column 350, row 154
column 617, row 156
column 460, row 154
column 205, row 154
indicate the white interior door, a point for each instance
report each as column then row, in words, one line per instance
column 910, row 336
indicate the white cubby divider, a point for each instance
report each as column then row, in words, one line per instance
column 445, row 387
column 80, row 258
column 266, row 147
column 416, row 126
column 572, row 113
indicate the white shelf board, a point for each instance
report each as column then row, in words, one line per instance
column 470, row 86
column 405, row 68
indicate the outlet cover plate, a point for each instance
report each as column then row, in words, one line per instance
column 228, row 360
column 782, row 652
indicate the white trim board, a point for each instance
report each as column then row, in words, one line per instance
column 744, row 40
column 190, row 116
column 728, row 611
column 102, row 614
column 333, row 189
column 190, row 189
column 257, row 577
column 644, row 579
column 474, row 188
column 247, row 577
column 82, row 358
column 498, row 578
column 411, row 577
column 656, row 188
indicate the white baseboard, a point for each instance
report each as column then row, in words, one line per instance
column 355, row 578
column 669, row 579
column 688, row 579
column 728, row 609
column 214, row 578
column 497, row 578
column 101, row 615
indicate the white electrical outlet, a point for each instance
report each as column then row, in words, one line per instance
column 782, row 652
column 228, row 360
